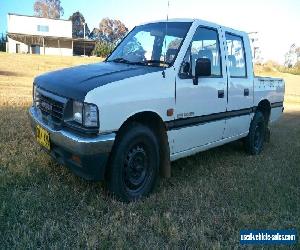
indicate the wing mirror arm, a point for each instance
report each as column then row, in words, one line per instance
column 195, row 80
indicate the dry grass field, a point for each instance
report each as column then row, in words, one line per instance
column 292, row 82
column 209, row 199
column 17, row 73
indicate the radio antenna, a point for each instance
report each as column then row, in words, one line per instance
column 167, row 30
column 168, row 10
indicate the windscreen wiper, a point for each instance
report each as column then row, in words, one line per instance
column 120, row 60
column 146, row 62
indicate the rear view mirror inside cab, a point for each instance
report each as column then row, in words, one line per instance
column 157, row 33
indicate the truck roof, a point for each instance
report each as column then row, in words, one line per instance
column 192, row 20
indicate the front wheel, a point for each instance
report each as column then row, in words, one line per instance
column 134, row 164
column 254, row 142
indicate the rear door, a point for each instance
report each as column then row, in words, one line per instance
column 198, row 107
column 240, row 83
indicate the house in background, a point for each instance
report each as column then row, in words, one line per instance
column 45, row 36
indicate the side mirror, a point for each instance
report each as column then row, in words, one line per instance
column 202, row 68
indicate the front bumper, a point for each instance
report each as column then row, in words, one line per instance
column 85, row 156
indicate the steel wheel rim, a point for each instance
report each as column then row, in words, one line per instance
column 137, row 169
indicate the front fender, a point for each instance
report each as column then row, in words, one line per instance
column 120, row 100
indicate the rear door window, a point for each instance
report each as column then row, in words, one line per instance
column 236, row 55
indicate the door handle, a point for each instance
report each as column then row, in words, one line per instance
column 246, row 92
column 221, row 93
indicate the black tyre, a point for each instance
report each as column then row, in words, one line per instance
column 134, row 163
column 255, row 140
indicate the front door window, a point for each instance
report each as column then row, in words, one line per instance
column 17, row 48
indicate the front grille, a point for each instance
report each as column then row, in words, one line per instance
column 51, row 106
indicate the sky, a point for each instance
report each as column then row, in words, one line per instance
column 276, row 21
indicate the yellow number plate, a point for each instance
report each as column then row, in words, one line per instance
column 43, row 137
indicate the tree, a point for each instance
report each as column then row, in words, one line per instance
column 298, row 54
column 95, row 34
column 174, row 44
column 291, row 57
column 103, row 49
column 110, row 31
column 48, row 8
column 3, row 41
column 78, row 22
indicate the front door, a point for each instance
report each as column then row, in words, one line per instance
column 198, row 107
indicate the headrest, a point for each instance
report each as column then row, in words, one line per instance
column 232, row 60
column 205, row 53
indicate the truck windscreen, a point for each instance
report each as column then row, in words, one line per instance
column 155, row 44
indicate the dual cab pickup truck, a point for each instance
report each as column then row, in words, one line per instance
column 170, row 89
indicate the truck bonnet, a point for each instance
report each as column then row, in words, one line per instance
column 76, row 82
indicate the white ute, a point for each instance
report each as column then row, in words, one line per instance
column 169, row 90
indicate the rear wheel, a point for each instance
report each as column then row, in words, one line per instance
column 254, row 142
column 134, row 164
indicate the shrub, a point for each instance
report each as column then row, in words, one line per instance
column 103, row 49
column 291, row 70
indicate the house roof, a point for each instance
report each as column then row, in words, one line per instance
column 59, row 19
column 22, row 36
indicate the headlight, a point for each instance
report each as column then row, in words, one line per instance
column 77, row 112
column 90, row 118
column 85, row 114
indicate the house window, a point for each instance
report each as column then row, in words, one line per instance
column 35, row 49
column 43, row 28
column 17, row 48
